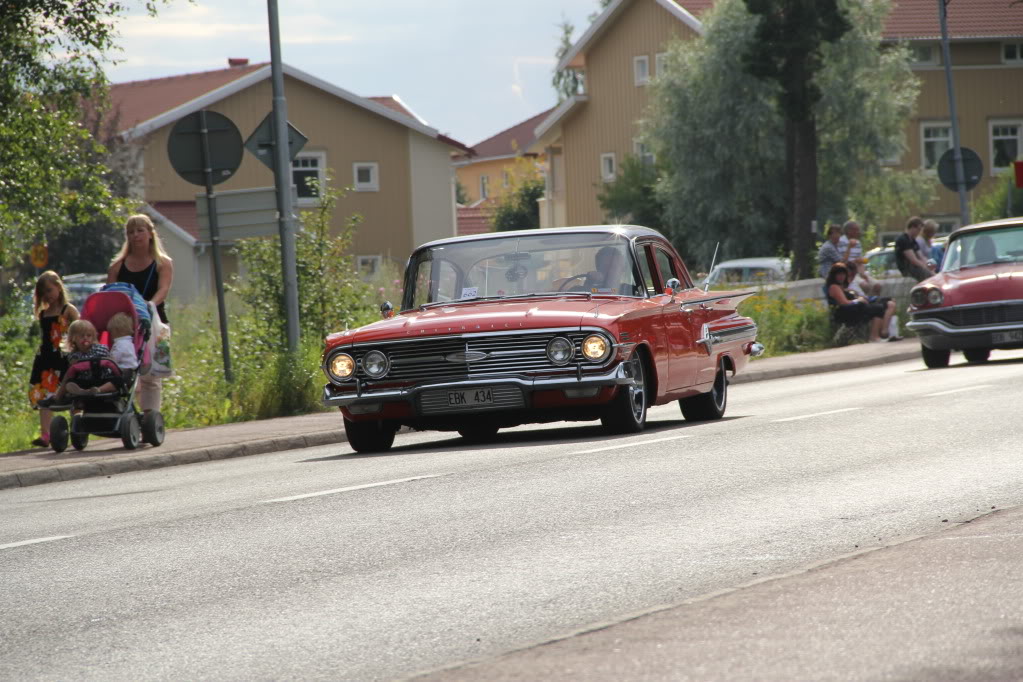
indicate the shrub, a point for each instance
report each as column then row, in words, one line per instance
column 786, row 326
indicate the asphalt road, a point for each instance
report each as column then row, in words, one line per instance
column 319, row 563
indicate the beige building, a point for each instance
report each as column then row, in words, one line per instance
column 398, row 168
column 587, row 136
column 488, row 172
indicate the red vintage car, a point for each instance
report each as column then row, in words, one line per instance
column 975, row 304
column 511, row 328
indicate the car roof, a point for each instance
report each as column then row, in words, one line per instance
column 627, row 231
column 988, row 225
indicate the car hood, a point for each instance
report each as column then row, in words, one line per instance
column 484, row 316
column 997, row 282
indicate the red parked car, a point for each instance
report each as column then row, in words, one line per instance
column 511, row 328
column 975, row 304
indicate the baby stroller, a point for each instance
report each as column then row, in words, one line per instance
column 110, row 414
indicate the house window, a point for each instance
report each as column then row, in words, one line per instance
column 367, row 176
column 307, row 174
column 1012, row 53
column 641, row 69
column 367, row 266
column 923, row 55
column 659, row 60
column 1005, row 144
column 643, row 153
column 484, row 187
column 505, row 179
column 937, row 139
column 608, row 167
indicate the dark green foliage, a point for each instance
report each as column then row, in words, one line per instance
column 630, row 197
column 518, row 209
column 461, row 196
column 994, row 203
column 566, row 82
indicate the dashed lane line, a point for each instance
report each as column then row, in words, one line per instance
column 627, row 445
column 351, row 488
column 956, row 390
column 34, row 541
column 816, row 414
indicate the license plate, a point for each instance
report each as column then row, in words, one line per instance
column 473, row 397
column 1015, row 336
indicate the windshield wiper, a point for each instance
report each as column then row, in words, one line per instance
column 532, row 294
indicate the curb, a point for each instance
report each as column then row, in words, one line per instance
column 76, row 470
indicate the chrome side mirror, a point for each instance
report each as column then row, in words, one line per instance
column 386, row 310
column 672, row 287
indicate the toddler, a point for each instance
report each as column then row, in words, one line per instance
column 83, row 346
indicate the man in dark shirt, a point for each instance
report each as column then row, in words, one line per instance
column 907, row 252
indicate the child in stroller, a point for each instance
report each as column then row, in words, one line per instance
column 101, row 391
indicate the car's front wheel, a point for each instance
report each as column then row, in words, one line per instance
column 374, row 435
column 626, row 413
column 935, row 358
column 711, row 405
column 977, row 355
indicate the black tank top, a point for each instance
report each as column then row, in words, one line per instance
column 147, row 281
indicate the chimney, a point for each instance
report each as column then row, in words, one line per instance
column 237, row 61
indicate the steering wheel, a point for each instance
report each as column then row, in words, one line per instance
column 564, row 285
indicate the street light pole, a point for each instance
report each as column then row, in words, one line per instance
column 957, row 152
column 282, row 177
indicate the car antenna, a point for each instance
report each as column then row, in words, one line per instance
column 706, row 286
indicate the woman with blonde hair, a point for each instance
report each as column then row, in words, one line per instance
column 143, row 263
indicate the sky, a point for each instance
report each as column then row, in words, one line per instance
column 469, row 68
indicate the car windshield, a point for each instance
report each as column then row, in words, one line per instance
column 1000, row 245
column 737, row 274
column 591, row 263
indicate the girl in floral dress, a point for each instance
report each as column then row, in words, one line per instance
column 50, row 303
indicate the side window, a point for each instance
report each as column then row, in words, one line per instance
column 666, row 267
column 649, row 282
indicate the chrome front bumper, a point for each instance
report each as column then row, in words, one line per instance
column 333, row 396
column 940, row 327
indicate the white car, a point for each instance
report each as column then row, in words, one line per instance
column 749, row 271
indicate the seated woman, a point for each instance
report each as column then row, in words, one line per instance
column 851, row 309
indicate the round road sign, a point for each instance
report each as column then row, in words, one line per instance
column 185, row 147
column 973, row 169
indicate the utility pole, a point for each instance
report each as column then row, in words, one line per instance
column 282, row 179
column 957, row 152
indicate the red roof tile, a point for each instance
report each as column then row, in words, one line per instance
column 181, row 213
column 511, row 141
column 138, row 101
column 474, row 220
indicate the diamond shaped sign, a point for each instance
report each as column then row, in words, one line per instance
column 261, row 141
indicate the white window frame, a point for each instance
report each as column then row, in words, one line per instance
column 641, row 75
column 374, row 182
column 924, row 127
column 484, row 187
column 932, row 54
column 505, row 179
column 321, row 174
column 1018, row 59
column 642, row 153
column 374, row 262
column 608, row 167
column 659, row 60
column 998, row 170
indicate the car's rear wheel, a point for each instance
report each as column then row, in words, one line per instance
column 374, row 435
column 934, row 358
column 482, row 433
column 626, row 413
column 977, row 355
column 710, row 405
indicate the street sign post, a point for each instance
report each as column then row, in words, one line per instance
column 205, row 148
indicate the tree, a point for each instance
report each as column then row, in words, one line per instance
column 517, row 209
column 631, row 196
column 51, row 167
column 567, row 82
column 787, row 50
column 461, row 196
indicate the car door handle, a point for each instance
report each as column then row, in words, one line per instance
column 688, row 309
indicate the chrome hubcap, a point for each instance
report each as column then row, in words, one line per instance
column 637, row 394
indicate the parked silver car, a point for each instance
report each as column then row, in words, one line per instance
column 749, row 272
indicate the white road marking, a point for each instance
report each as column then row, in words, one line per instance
column 817, row 414
column 35, row 541
column 956, row 390
column 350, row 488
column 628, row 445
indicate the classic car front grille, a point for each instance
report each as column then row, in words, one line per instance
column 977, row 316
column 439, row 359
column 505, row 398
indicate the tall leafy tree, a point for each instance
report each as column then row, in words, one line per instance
column 566, row 82
column 631, row 197
column 787, row 50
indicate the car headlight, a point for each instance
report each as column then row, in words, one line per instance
column 596, row 348
column 375, row 364
column 341, row 367
column 560, row 350
column 935, row 297
column 918, row 297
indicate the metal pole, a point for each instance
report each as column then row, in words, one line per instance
column 282, row 177
column 211, row 209
column 957, row 152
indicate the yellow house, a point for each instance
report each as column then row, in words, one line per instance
column 487, row 174
column 586, row 137
column 398, row 169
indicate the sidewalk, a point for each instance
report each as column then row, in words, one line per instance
column 106, row 456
